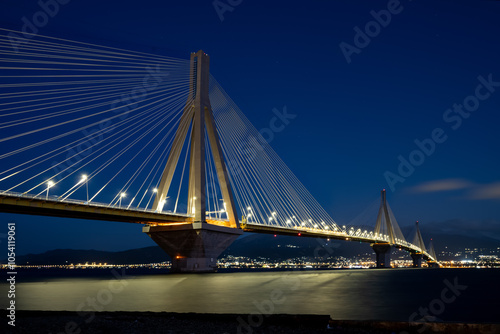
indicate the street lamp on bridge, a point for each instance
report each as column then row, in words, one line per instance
column 121, row 196
column 155, row 190
column 85, row 179
column 163, row 201
column 49, row 185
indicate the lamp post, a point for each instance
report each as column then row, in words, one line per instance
column 162, row 203
column 85, row 178
column 249, row 214
column 121, row 196
column 49, row 184
column 219, row 212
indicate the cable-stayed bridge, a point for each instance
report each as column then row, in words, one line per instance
column 103, row 133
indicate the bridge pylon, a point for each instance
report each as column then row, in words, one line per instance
column 195, row 245
column 387, row 226
column 419, row 241
column 432, row 252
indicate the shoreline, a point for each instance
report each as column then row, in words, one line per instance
column 168, row 322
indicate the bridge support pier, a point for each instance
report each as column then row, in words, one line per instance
column 433, row 264
column 193, row 247
column 383, row 252
column 417, row 260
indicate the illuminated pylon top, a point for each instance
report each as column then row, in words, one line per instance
column 431, row 250
column 386, row 223
column 418, row 240
column 198, row 113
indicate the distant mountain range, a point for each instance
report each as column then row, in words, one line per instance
column 458, row 234
column 447, row 234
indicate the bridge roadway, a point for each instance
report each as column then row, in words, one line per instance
column 53, row 206
column 352, row 235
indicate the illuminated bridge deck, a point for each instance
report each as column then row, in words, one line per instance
column 54, row 207
column 354, row 235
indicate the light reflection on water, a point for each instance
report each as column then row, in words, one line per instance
column 348, row 294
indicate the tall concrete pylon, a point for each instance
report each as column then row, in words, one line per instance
column 419, row 241
column 432, row 252
column 383, row 249
column 383, row 216
column 195, row 245
column 198, row 112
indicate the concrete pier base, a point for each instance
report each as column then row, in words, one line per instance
column 433, row 264
column 383, row 252
column 417, row 260
column 193, row 247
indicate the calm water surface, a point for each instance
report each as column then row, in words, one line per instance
column 388, row 294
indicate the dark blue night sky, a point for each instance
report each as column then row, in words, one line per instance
column 372, row 112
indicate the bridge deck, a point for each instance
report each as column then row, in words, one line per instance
column 320, row 233
column 52, row 206
column 40, row 206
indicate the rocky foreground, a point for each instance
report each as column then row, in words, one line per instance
column 187, row 323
